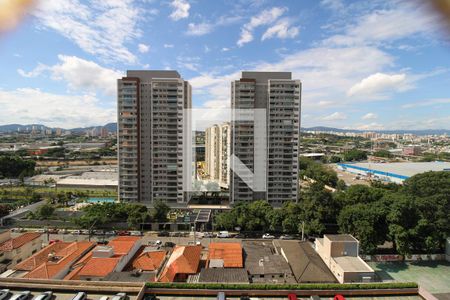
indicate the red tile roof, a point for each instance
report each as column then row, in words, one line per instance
column 184, row 260
column 64, row 258
column 149, row 261
column 230, row 253
column 40, row 257
column 101, row 266
column 19, row 241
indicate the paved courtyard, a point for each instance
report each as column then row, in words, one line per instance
column 433, row 276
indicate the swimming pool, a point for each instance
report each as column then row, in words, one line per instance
column 101, row 200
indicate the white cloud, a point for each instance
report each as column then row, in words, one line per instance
column 368, row 127
column 281, row 30
column 369, row 116
column 376, row 84
column 143, row 48
column 333, row 4
column 336, row 116
column 79, row 74
column 190, row 63
column 100, row 28
column 56, row 110
column 199, row 29
column 428, row 102
column 225, row 49
column 266, row 17
column 180, row 9
column 406, row 19
column 168, row 45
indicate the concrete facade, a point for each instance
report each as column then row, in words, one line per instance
column 280, row 96
column 151, row 124
column 341, row 254
column 217, row 153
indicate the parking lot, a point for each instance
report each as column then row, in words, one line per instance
column 66, row 295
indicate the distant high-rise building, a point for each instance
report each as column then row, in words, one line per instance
column 151, row 124
column 217, row 153
column 280, row 96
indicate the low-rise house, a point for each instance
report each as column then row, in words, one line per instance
column 15, row 250
column 183, row 261
column 225, row 255
column 340, row 252
column 103, row 260
column 149, row 261
column 264, row 264
column 305, row 263
column 54, row 261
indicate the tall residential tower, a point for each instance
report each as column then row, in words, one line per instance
column 151, row 124
column 275, row 155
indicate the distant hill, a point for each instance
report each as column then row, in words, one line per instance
column 397, row 131
column 111, row 127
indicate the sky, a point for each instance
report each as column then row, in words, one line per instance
column 363, row 64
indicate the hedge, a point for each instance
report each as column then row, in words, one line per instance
column 304, row 286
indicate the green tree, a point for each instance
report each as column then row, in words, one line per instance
column 137, row 214
column 355, row 155
column 383, row 153
column 160, row 211
column 4, row 210
column 45, row 212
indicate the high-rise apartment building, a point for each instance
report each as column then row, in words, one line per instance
column 217, row 153
column 151, row 125
column 274, row 156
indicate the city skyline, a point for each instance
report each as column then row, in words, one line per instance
column 377, row 65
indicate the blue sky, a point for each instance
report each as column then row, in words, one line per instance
column 363, row 64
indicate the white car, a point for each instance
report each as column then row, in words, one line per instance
column 44, row 296
column 21, row 296
column 135, row 233
column 223, row 234
column 120, row 296
column 268, row 236
column 4, row 294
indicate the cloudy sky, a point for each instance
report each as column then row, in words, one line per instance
column 363, row 64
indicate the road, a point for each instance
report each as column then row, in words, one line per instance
column 32, row 207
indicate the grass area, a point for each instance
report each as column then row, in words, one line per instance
column 433, row 276
column 23, row 190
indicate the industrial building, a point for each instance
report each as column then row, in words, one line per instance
column 393, row 172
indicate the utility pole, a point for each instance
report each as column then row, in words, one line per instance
column 303, row 231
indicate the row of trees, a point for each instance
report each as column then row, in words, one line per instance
column 135, row 214
column 415, row 216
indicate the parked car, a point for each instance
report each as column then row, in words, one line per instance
column 63, row 231
column 18, row 229
column 240, row 236
column 158, row 243
column 41, row 230
column 120, row 296
column 123, row 232
column 99, row 232
column 111, row 232
column 163, row 233
column 169, row 244
column 85, row 231
column 197, row 243
column 80, row 296
column 4, row 294
column 44, row 296
column 53, row 230
column 223, row 234
column 21, row 296
column 267, row 236
column 104, row 298
column 76, row 232
column 287, row 237
column 208, row 235
column 136, row 233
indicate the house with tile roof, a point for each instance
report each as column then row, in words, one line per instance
column 149, row 261
column 15, row 250
column 183, row 261
column 226, row 255
column 58, row 261
column 103, row 260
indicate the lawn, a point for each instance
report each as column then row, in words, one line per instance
column 433, row 276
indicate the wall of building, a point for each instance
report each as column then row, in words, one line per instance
column 19, row 254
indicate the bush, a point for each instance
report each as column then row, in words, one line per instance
column 302, row 286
